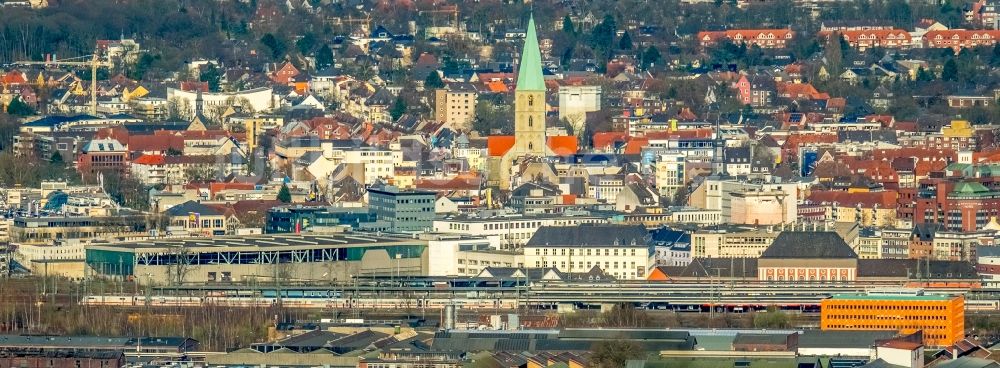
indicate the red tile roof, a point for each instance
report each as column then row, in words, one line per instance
column 885, row 199
column 218, row 187
column 798, row 91
column 796, row 140
column 149, row 160
column 605, row 140
column 635, row 145
column 194, row 86
column 496, row 87
column 14, row 77
column 960, row 38
column 881, row 37
column 563, row 145
column 498, row 145
column 155, row 143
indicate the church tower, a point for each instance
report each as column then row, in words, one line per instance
column 529, row 117
column 529, row 99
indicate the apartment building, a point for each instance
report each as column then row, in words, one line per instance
column 455, row 105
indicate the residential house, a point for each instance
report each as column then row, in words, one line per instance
column 763, row 38
column 199, row 219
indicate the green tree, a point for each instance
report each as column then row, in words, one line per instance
column 284, row 195
column 306, row 43
column 949, row 71
column 276, row 45
column 977, row 115
column 681, row 196
column 18, row 107
column 650, row 57
column 9, row 127
column 923, row 75
column 433, row 80
column 398, row 108
column 212, row 75
column 56, row 158
column 899, row 12
column 614, row 353
column 567, row 57
column 567, row 26
column 324, row 57
column 602, row 38
column 143, row 65
column 625, row 43
column 995, row 55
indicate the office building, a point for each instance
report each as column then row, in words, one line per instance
column 298, row 218
column 403, row 210
column 731, row 242
column 466, row 255
column 940, row 317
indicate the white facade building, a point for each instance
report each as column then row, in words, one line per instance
column 576, row 101
column 512, row 231
column 260, row 99
column 670, row 171
column 622, row 251
column 464, row 255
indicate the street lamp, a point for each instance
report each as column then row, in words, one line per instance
column 398, row 257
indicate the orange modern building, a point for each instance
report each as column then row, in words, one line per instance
column 940, row 317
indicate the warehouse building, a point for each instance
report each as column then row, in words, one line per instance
column 242, row 259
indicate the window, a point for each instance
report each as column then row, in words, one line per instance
column 531, row 101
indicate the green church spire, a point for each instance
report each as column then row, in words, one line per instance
column 529, row 74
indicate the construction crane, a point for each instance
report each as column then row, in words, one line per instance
column 447, row 9
column 94, row 63
column 366, row 21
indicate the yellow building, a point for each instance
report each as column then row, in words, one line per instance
column 958, row 129
column 940, row 317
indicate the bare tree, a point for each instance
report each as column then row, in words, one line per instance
column 179, row 265
column 178, row 108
